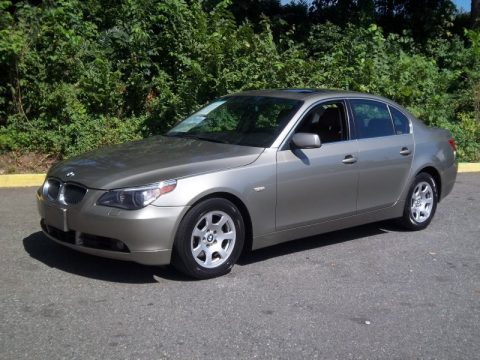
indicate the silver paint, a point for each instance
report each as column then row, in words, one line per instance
column 288, row 192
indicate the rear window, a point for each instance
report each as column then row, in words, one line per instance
column 400, row 121
column 372, row 119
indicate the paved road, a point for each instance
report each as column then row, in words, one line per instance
column 372, row 292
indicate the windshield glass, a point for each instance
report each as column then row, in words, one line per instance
column 240, row 120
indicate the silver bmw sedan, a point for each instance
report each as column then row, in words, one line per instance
column 248, row 171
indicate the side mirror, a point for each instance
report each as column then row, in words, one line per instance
column 306, row 140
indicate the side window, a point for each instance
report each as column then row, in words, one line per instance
column 372, row 118
column 327, row 120
column 400, row 121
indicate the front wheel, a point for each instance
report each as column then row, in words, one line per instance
column 209, row 239
column 421, row 203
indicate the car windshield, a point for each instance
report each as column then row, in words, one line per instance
column 240, row 120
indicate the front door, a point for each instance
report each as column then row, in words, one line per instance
column 316, row 185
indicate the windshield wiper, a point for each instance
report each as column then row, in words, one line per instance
column 197, row 137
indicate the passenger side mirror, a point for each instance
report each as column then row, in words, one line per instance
column 306, row 140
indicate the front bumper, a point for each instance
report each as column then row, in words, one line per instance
column 144, row 236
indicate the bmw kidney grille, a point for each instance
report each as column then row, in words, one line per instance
column 64, row 193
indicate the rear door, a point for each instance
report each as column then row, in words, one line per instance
column 385, row 152
column 314, row 185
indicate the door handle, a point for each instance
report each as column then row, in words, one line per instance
column 405, row 151
column 349, row 159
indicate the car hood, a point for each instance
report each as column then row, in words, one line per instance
column 151, row 160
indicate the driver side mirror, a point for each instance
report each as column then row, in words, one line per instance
column 306, row 140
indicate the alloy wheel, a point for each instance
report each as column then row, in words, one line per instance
column 213, row 239
column 421, row 202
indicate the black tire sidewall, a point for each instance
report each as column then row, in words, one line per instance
column 408, row 220
column 183, row 258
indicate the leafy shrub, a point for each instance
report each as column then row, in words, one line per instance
column 75, row 75
column 467, row 136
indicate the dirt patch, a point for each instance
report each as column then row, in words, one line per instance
column 25, row 163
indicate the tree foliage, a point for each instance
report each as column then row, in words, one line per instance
column 75, row 75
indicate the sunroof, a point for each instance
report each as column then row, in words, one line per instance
column 304, row 91
column 307, row 91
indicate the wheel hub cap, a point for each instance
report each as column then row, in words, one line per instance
column 421, row 202
column 213, row 239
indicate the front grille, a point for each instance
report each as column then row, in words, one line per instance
column 64, row 193
column 73, row 194
column 53, row 188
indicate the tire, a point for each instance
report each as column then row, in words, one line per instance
column 420, row 204
column 209, row 239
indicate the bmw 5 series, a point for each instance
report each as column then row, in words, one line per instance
column 247, row 171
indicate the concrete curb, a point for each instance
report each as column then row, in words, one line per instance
column 24, row 180
column 468, row 167
column 21, row 180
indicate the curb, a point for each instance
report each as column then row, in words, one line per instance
column 21, row 180
column 24, row 180
column 468, row 167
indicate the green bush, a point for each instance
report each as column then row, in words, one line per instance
column 75, row 75
column 467, row 136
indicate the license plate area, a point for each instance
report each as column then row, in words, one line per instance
column 56, row 217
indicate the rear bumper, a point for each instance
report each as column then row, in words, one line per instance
column 144, row 236
column 449, row 176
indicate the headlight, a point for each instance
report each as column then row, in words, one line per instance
column 137, row 197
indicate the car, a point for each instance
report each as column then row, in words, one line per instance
column 247, row 171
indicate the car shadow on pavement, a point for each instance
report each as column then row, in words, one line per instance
column 41, row 248
column 318, row 241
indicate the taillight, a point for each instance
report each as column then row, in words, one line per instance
column 451, row 141
column 452, row 144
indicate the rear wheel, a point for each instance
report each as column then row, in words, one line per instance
column 209, row 240
column 421, row 203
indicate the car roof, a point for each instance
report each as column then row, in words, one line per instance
column 307, row 94
column 311, row 96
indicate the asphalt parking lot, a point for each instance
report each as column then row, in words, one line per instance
column 372, row 292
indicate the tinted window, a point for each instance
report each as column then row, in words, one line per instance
column 327, row 120
column 372, row 119
column 400, row 121
column 241, row 120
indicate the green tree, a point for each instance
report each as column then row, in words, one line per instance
column 75, row 75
